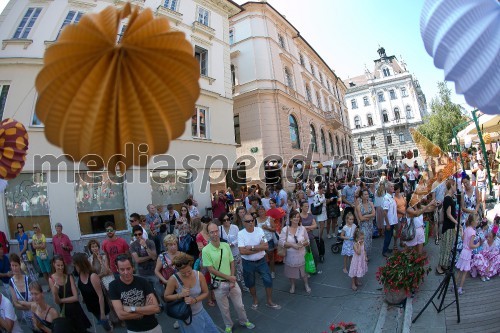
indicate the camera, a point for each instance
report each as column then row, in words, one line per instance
column 214, row 285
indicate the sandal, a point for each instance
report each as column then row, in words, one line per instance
column 345, row 271
column 354, row 288
column 439, row 272
column 308, row 290
column 255, row 306
column 292, row 290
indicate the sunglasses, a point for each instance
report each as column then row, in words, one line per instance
column 248, row 221
column 138, row 234
column 20, row 227
column 226, row 219
column 110, row 230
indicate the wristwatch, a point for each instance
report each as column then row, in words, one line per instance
column 133, row 309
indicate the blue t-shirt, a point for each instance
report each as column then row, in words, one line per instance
column 5, row 268
column 21, row 240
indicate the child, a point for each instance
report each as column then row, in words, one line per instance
column 347, row 235
column 359, row 267
column 463, row 263
column 487, row 262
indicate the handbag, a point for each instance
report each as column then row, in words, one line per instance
column 281, row 248
column 215, row 283
column 317, row 210
column 408, row 231
column 178, row 309
column 166, row 272
column 310, row 266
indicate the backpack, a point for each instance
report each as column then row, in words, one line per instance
column 408, row 230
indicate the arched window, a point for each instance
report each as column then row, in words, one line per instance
column 397, row 116
column 357, row 122
column 314, row 143
column 385, row 116
column 401, row 137
column 337, row 144
column 308, row 93
column 294, row 132
column 386, row 72
column 409, row 114
column 372, row 139
column 321, row 78
column 369, row 119
column 381, row 96
column 360, row 143
column 331, row 143
column 323, row 141
column 392, row 94
column 288, row 78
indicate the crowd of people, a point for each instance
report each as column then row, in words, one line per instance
column 178, row 256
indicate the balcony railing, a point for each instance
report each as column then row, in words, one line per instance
column 333, row 118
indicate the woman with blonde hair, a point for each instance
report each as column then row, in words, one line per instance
column 40, row 246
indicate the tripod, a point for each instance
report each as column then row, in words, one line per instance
column 449, row 275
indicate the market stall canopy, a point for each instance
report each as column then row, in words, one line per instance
column 487, row 123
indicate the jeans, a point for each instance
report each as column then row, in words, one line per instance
column 259, row 266
column 222, row 296
column 387, row 238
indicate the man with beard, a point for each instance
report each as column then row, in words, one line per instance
column 113, row 246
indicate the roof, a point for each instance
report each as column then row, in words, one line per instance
column 298, row 34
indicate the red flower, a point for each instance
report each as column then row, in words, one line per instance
column 332, row 327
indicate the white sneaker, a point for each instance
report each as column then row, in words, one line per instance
column 176, row 324
column 273, row 275
column 329, row 236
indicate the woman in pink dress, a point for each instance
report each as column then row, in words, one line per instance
column 359, row 267
column 486, row 263
column 464, row 262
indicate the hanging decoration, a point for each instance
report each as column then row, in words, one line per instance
column 320, row 165
column 487, row 138
column 409, row 154
column 13, row 148
column 96, row 94
column 462, row 37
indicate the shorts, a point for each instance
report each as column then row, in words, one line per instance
column 482, row 189
column 44, row 264
column 419, row 237
column 259, row 266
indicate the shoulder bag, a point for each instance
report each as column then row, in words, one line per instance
column 178, row 309
column 215, row 283
column 408, row 231
column 317, row 210
column 222, row 239
column 281, row 248
column 166, row 272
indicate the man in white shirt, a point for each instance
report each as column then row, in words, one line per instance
column 253, row 245
column 8, row 318
column 390, row 217
column 411, row 179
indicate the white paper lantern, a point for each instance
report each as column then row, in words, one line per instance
column 462, row 37
column 299, row 166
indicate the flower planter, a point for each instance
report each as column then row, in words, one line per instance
column 395, row 297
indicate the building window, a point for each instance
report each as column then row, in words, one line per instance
column 231, row 36
column 99, row 198
column 3, row 98
column 288, row 78
column 360, row 143
column 401, row 137
column 73, row 17
column 415, row 153
column 404, row 93
column 408, row 112
column 372, row 140
column 301, row 59
column 203, row 16
column 294, row 132
column 199, row 123
column 308, row 93
column 202, row 56
column 26, row 201
column 170, row 4
column 369, row 119
column 328, row 86
column 357, row 122
column 337, row 144
column 170, row 186
column 312, row 69
column 331, row 143
column 389, row 139
column 386, row 72
column 314, row 143
column 321, row 78
column 318, row 99
column 35, row 121
column 381, row 97
column 365, row 101
column 281, row 41
column 392, row 93
column 237, row 135
column 325, row 103
column 233, row 75
column 397, row 115
column 385, row 117
column 27, row 23
column 323, row 141
column 354, row 104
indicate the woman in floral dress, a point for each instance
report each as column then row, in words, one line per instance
column 366, row 214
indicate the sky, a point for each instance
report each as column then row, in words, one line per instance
column 347, row 34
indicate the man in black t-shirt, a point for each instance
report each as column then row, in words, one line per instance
column 133, row 299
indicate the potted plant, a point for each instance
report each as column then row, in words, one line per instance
column 402, row 274
column 343, row 327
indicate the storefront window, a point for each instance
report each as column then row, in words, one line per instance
column 170, row 186
column 26, row 201
column 99, row 199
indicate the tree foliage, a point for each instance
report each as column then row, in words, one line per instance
column 444, row 115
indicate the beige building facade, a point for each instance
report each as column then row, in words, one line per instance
column 289, row 106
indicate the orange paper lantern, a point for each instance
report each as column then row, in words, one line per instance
column 13, row 148
column 97, row 95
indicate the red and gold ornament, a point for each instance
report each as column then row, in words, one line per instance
column 13, row 148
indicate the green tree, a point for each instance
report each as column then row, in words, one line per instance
column 444, row 115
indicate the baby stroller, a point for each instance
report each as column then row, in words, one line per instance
column 337, row 245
